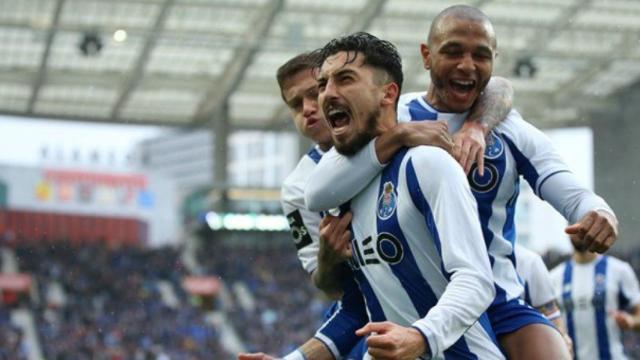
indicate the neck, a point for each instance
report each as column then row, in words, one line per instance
column 325, row 146
column 584, row 257
column 386, row 121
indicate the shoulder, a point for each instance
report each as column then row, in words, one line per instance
column 431, row 155
column 434, row 171
column 618, row 264
column 515, row 126
column 295, row 182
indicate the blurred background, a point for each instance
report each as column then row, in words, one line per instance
column 143, row 144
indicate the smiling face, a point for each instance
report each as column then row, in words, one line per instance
column 351, row 95
column 300, row 92
column 460, row 59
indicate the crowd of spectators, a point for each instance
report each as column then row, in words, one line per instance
column 12, row 346
column 288, row 309
column 112, row 307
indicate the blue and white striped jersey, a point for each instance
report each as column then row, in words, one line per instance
column 538, row 288
column 515, row 149
column 302, row 222
column 588, row 293
column 418, row 254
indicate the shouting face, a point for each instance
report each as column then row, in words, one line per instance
column 350, row 94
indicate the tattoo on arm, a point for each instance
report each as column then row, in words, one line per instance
column 493, row 105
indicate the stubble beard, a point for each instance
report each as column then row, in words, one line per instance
column 360, row 139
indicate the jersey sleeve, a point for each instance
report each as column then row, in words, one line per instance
column 303, row 223
column 338, row 332
column 440, row 191
column 542, row 166
column 338, row 178
column 540, row 283
column 629, row 288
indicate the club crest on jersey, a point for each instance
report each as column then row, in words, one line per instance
column 495, row 147
column 387, row 202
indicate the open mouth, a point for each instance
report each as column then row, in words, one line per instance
column 337, row 116
column 463, row 86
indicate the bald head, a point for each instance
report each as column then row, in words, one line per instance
column 460, row 12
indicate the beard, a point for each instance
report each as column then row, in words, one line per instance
column 360, row 139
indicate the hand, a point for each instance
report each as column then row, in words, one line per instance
column 597, row 231
column 624, row 320
column 394, row 342
column 470, row 144
column 255, row 356
column 434, row 133
column 335, row 239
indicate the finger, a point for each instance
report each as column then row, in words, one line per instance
column 480, row 161
column 591, row 233
column 601, row 238
column 379, row 354
column 344, row 221
column 345, row 243
column 464, row 154
column 610, row 240
column 573, row 229
column 470, row 159
column 382, row 342
column 377, row 327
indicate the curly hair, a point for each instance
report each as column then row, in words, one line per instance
column 378, row 53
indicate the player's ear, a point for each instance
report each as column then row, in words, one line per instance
column 426, row 56
column 391, row 93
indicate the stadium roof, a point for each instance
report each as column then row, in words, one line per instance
column 182, row 60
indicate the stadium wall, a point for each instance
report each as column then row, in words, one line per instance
column 617, row 162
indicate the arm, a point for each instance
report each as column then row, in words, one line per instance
column 454, row 221
column 313, row 349
column 552, row 312
column 541, row 165
column 302, row 222
column 492, row 107
column 629, row 318
column 335, row 248
column 338, row 178
column 336, row 337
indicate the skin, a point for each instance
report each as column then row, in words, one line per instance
column 463, row 50
column 551, row 309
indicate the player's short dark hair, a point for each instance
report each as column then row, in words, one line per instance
column 378, row 53
column 463, row 12
column 300, row 62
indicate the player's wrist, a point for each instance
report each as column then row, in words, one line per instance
column 295, row 355
column 478, row 124
column 421, row 342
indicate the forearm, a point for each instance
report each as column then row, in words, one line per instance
column 329, row 280
column 352, row 174
column 493, row 105
column 463, row 302
column 315, row 349
column 565, row 193
column 552, row 312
